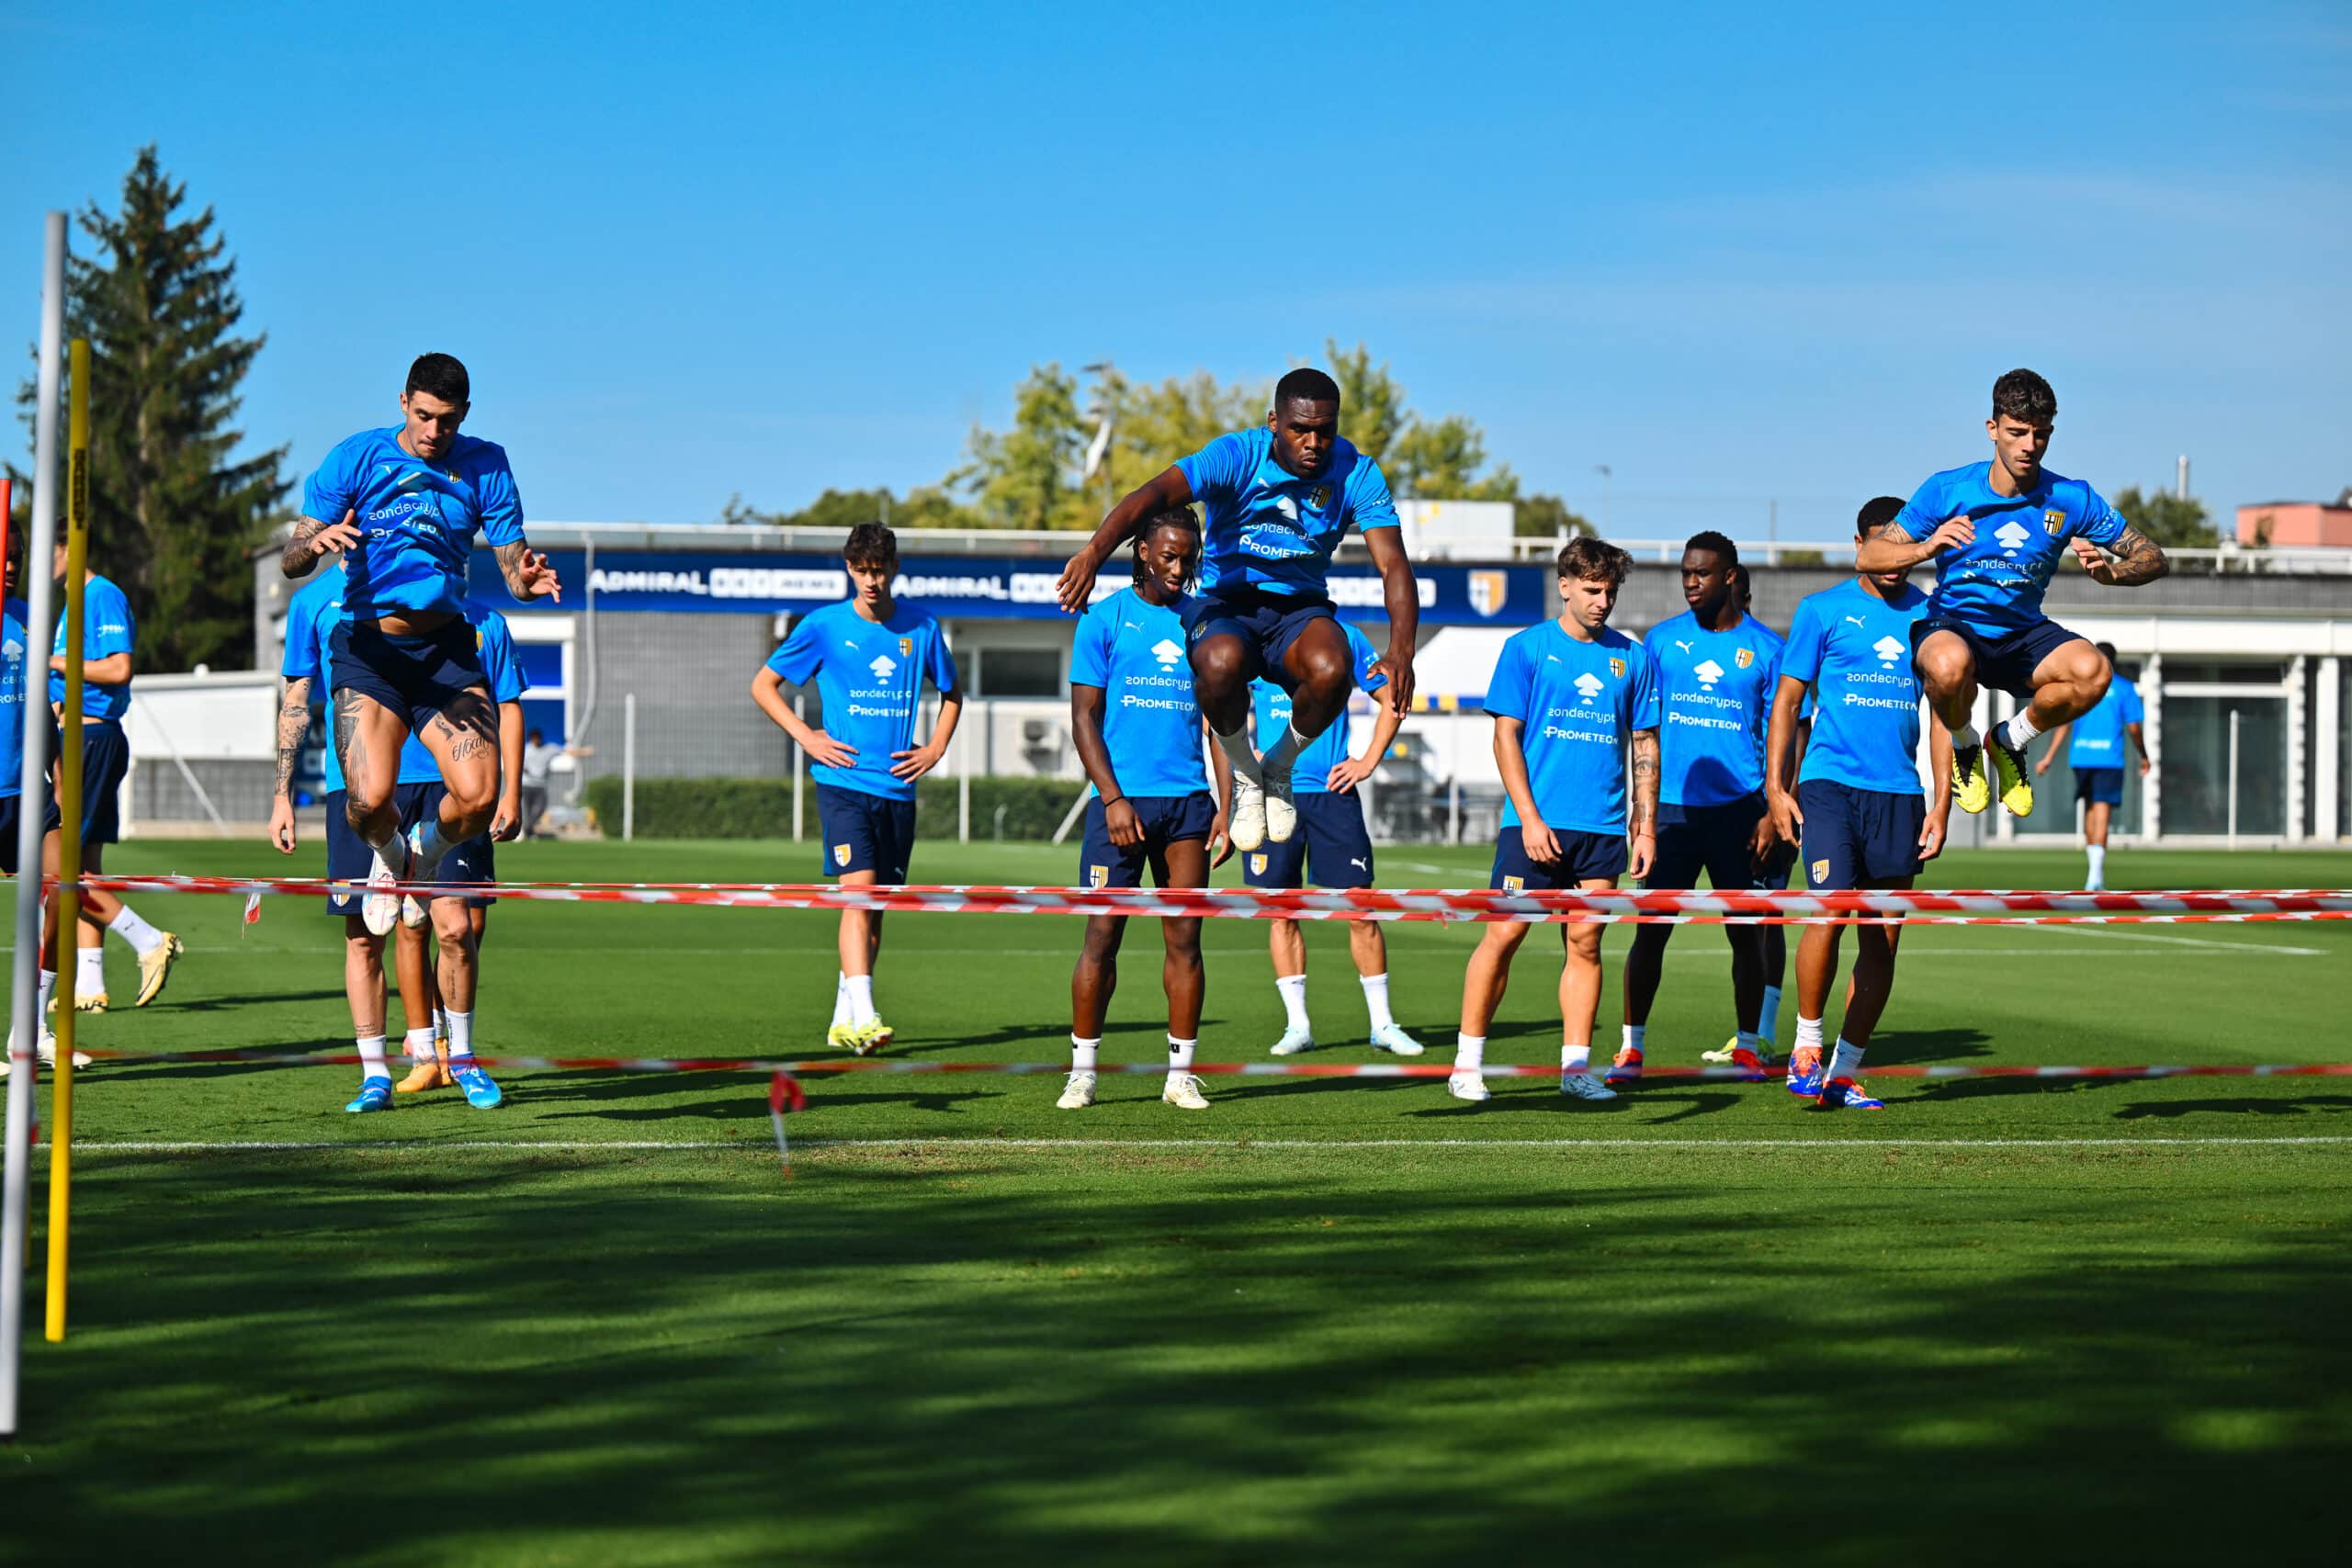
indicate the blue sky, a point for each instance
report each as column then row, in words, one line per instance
column 1740, row 255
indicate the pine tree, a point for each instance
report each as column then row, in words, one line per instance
column 174, row 519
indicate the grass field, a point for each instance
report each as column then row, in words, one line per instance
column 1325, row 1321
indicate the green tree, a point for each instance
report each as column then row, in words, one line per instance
column 173, row 515
column 1028, row 476
column 1547, row 517
column 2175, row 521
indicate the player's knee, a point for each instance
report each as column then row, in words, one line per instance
column 2094, row 677
column 1944, row 666
column 1584, row 943
column 1220, row 661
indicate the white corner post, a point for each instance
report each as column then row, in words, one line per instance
column 24, row 1008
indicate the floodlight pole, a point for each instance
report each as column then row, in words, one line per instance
column 24, row 994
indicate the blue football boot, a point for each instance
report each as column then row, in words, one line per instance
column 374, row 1094
column 480, row 1094
column 1845, row 1094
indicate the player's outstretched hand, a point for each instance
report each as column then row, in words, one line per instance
column 1542, row 844
column 1931, row 833
column 506, row 824
column 1077, row 582
column 1119, row 819
column 1787, row 818
column 912, row 765
column 1399, row 689
column 2094, row 564
column 1953, row 533
column 337, row 537
column 281, row 825
column 1348, row 773
column 1644, row 856
column 824, row 749
column 537, row 577
column 1220, row 841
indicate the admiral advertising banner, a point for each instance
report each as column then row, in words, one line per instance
column 968, row 587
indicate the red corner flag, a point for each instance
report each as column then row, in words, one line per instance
column 784, row 1094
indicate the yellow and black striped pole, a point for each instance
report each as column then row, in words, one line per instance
column 69, row 809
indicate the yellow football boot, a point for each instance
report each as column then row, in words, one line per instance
column 155, row 967
column 1969, row 789
column 2017, row 783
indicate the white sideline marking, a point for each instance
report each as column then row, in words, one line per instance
column 1236, row 1146
column 2197, row 941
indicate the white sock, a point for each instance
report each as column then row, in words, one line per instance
column 1576, row 1058
column 371, row 1057
column 861, row 997
column 1294, row 990
column 1633, row 1032
column 1082, row 1054
column 47, row 989
column 1375, row 1000
column 1808, row 1036
column 1469, row 1052
column 420, row 1045
column 388, row 845
column 1180, row 1055
column 461, row 1036
column 89, row 971
column 1768, row 1023
column 841, row 1000
column 1284, row 752
column 430, row 847
column 145, row 937
column 1237, row 752
column 1846, row 1062
column 2099, row 865
column 2020, row 728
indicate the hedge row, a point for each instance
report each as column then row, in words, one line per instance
column 761, row 808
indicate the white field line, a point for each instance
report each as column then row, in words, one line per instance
column 2197, row 941
column 1233, row 1145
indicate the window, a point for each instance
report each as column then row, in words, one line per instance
column 1017, row 671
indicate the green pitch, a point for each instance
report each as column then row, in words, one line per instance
column 1325, row 1321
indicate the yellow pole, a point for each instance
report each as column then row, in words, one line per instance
column 69, row 808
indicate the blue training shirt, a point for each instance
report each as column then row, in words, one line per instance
column 1994, row 586
column 2097, row 739
column 106, row 630
column 16, row 657
column 311, row 620
column 1716, row 691
column 1133, row 650
column 1311, row 775
column 1268, row 528
column 869, row 678
column 1580, row 703
column 417, row 519
column 1854, row 647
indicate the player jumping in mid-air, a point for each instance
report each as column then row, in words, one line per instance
column 408, row 501
column 1997, row 531
column 1715, row 668
column 869, row 654
column 1141, row 738
column 1855, row 804
column 1569, row 698
column 1335, row 848
column 1278, row 500
column 2098, row 758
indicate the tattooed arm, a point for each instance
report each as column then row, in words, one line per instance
column 1641, row 819
column 312, row 539
column 2138, row 559
column 528, row 575
column 293, row 723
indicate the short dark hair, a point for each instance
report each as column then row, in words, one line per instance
column 1585, row 558
column 871, row 544
column 1876, row 513
column 439, row 375
column 1172, row 517
column 2109, row 649
column 1307, row 385
column 1715, row 544
column 535, row 734
column 2022, row 395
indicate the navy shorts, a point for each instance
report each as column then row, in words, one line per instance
column 1718, row 840
column 1584, row 857
column 865, row 832
column 2005, row 663
column 415, row 676
column 12, row 815
column 1331, row 847
column 106, row 763
column 1267, row 622
column 2099, row 786
column 350, row 859
column 1167, row 819
column 1854, row 838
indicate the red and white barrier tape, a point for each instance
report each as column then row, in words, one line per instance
column 1369, row 903
column 1243, row 1070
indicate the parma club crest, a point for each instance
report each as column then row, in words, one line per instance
column 1258, row 866
column 1098, row 875
column 1617, row 668
column 1514, row 884
column 1744, row 657
column 1488, row 592
column 2053, row 521
column 841, row 855
column 1820, row 871
column 1318, row 498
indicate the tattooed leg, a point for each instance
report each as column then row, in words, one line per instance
column 463, row 738
column 367, row 744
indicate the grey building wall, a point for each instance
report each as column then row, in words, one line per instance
column 691, row 675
